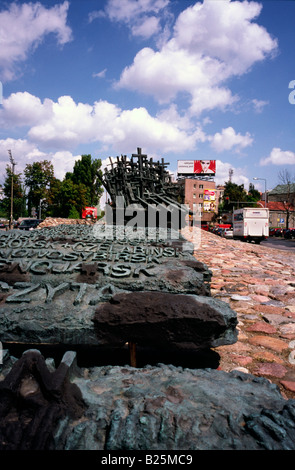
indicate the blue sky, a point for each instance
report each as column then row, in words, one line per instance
column 181, row 79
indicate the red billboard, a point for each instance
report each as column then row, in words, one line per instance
column 196, row 167
column 205, row 167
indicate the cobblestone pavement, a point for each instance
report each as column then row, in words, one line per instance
column 259, row 284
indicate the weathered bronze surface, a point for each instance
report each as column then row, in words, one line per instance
column 141, row 180
column 54, row 280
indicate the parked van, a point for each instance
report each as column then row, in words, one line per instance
column 251, row 224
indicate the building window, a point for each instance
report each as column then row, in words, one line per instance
column 195, row 186
column 194, row 196
column 200, row 196
column 201, row 186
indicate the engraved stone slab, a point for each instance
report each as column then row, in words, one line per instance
column 52, row 280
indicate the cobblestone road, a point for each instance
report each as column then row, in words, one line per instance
column 259, row 284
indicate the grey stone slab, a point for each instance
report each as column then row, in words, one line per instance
column 53, row 281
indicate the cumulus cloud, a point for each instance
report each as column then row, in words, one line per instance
column 63, row 161
column 228, row 139
column 212, row 42
column 225, row 30
column 23, row 109
column 147, row 27
column 222, row 174
column 279, row 157
column 64, row 124
column 24, row 152
column 142, row 17
column 23, row 27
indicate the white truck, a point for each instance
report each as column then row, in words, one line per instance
column 251, row 224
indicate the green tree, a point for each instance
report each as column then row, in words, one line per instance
column 19, row 201
column 74, row 214
column 71, row 196
column 53, row 198
column 38, row 177
column 253, row 194
column 234, row 196
column 87, row 172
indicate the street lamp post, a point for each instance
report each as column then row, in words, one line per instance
column 11, row 200
column 41, row 200
column 264, row 188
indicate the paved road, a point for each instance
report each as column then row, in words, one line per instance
column 280, row 244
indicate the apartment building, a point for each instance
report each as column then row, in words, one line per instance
column 200, row 195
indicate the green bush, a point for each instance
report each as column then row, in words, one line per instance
column 74, row 214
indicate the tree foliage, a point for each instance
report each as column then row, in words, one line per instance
column 78, row 189
column 38, row 177
column 87, row 172
column 19, row 207
column 287, row 198
column 236, row 196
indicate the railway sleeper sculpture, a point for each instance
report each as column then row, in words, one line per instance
column 144, row 185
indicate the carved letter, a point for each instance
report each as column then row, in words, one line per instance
column 81, row 293
column 18, row 297
column 52, row 291
column 121, row 270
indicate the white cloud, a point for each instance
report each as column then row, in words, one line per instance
column 24, row 152
column 147, row 27
column 126, row 10
column 211, row 97
column 63, row 162
column 23, row 27
column 222, row 174
column 142, row 17
column 164, row 74
column 259, row 105
column 225, row 30
column 212, row 42
column 23, row 109
column 172, row 116
column 279, row 157
column 101, row 74
column 65, row 124
column 228, row 139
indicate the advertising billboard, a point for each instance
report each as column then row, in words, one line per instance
column 205, row 167
column 185, row 167
column 196, row 167
column 209, row 200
